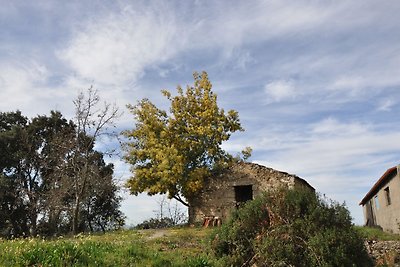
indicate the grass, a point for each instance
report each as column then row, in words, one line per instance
column 169, row 247
column 371, row 233
column 179, row 247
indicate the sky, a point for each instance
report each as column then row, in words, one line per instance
column 316, row 83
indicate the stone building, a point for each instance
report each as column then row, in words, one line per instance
column 240, row 182
column 381, row 205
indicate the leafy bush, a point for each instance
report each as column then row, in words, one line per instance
column 199, row 261
column 155, row 223
column 290, row 228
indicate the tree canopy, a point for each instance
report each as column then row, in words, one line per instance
column 173, row 152
column 52, row 180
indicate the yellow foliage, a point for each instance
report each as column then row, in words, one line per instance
column 174, row 152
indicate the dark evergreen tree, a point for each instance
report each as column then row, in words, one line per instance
column 39, row 162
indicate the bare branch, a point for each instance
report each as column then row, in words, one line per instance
column 92, row 121
column 179, row 199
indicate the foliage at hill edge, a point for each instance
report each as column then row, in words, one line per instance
column 290, row 228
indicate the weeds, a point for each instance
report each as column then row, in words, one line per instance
column 373, row 233
column 182, row 247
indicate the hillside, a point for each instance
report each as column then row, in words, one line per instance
column 383, row 247
column 172, row 247
column 163, row 247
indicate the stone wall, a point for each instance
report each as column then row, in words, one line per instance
column 218, row 196
column 386, row 214
column 384, row 253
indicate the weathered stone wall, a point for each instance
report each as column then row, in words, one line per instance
column 384, row 253
column 218, row 196
column 383, row 208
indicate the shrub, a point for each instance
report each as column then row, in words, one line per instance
column 155, row 223
column 290, row 228
column 199, row 261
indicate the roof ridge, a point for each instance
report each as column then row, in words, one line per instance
column 378, row 184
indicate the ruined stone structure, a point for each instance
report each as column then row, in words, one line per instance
column 240, row 182
column 381, row 205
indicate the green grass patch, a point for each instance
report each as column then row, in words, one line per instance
column 372, row 233
column 176, row 247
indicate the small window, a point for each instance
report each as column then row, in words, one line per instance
column 243, row 193
column 376, row 202
column 387, row 194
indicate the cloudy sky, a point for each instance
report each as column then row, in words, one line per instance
column 316, row 83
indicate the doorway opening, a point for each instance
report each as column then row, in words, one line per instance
column 243, row 193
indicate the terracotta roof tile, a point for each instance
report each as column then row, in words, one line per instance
column 378, row 185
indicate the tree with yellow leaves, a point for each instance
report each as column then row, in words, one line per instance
column 173, row 153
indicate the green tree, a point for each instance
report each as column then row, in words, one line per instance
column 45, row 163
column 16, row 184
column 100, row 205
column 56, row 134
column 172, row 153
column 41, row 155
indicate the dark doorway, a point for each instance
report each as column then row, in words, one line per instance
column 370, row 214
column 243, row 193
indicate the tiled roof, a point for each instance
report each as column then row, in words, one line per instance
column 379, row 184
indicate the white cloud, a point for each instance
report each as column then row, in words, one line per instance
column 386, row 105
column 19, row 84
column 25, row 86
column 117, row 48
column 340, row 159
column 244, row 60
column 332, row 127
column 349, row 83
column 232, row 25
column 331, row 146
column 280, row 90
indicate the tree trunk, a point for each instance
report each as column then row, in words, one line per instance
column 33, row 226
column 52, row 223
column 75, row 216
column 101, row 226
column 89, row 218
column 78, row 195
column 191, row 215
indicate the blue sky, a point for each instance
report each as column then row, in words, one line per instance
column 316, row 83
